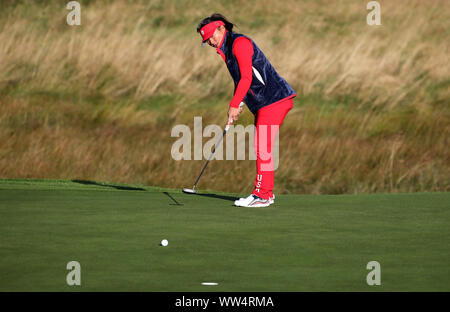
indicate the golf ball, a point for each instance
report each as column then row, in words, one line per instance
column 164, row 242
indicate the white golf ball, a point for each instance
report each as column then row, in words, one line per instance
column 164, row 242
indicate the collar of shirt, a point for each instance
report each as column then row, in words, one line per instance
column 219, row 47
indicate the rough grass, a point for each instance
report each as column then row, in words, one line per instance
column 99, row 101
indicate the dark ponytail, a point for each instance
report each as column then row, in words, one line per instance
column 213, row 18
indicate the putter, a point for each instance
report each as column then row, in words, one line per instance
column 227, row 127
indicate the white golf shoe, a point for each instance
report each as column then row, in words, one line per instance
column 272, row 199
column 252, row 201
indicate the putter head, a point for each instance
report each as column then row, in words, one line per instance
column 189, row 191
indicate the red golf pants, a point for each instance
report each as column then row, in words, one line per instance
column 267, row 122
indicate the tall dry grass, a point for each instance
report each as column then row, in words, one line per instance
column 98, row 101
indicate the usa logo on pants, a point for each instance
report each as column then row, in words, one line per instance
column 258, row 183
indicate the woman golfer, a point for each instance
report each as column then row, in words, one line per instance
column 267, row 95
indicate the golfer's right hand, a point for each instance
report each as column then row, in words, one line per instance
column 233, row 113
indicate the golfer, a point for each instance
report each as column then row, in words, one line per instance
column 267, row 95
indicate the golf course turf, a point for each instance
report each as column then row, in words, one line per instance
column 301, row 243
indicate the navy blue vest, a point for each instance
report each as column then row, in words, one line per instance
column 267, row 86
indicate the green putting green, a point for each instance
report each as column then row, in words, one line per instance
column 302, row 243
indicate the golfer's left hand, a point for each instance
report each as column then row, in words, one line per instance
column 233, row 113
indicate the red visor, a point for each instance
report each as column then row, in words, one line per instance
column 208, row 30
